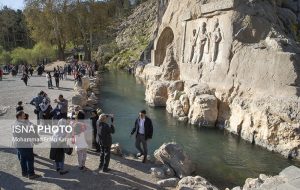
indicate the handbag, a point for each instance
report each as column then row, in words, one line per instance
column 68, row 150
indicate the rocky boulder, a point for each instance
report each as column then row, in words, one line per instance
column 157, row 93
column 204, row 110
column 288, row 179
column 197, row 182
column 172, row 154
column 194, row 90
column 85, row 83
column 116, row 149
column 79, row 100
column 157, row 173
column 171, row 182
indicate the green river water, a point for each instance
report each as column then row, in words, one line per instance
column 224, row 159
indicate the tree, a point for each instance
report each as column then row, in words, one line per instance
column 13, row 29
column 78, row 22
column 4, row 56
column 47, row 21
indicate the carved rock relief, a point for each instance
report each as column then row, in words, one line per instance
column 202, row 41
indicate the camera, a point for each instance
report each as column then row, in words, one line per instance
column 111, row 117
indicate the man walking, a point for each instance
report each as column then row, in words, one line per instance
column 144, row 131
column 104, row 139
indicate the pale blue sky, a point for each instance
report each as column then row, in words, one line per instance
column 14, row 4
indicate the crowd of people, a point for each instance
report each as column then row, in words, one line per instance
column 102, row 131
column 75, row 69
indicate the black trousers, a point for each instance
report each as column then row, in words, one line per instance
column 104, row 156
column 38, row 117
column 57, row 83
column 64, row 115
column 140, row 139
column 94, row 141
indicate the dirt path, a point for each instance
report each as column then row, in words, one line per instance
column 127, row 173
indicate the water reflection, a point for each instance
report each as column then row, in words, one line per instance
column 222, row 158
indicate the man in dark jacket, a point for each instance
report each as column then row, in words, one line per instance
column 104, row 139
column 94, row 120
column 144, row 131
column 36, row 102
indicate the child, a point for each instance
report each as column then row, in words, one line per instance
column 19, row 106
column 79, row 141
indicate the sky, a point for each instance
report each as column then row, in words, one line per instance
column 14, row 4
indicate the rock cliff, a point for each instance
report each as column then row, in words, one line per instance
column 134, row 35
column 234, row 64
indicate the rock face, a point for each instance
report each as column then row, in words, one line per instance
column 134, row 37
column 172, row 154
column 171, row 182
column 239, row 66
column 204, row 110
column 157, row 93
column 289, row 178
column 189, row 183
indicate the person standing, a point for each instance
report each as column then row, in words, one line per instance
column 1, row 74
column 36, row 102
column 57, row 152
column 144, row 131
column 49, row 80
column 79, row 140
column 30, row 70
column 62, row 106
column 56, row 78
column 25, row 78
column 61, row 73
column 45, row 111
column 104, row 139
column 24, row 148
column 94, row 120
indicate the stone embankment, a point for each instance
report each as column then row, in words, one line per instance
column 232, row 64
column 175, row 170
column 288, row 179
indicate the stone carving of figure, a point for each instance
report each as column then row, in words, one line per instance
column 216, row 38
column 199, row 51
column 193, row 41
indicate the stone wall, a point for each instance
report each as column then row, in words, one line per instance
column 234, row 64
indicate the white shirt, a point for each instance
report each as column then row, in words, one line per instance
column 80, row 141
column 141, row 124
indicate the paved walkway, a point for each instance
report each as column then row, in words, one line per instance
column 126, row 173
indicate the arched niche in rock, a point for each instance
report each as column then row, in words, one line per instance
column 165, row 39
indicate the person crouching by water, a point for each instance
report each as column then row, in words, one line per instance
column 79, row 140
column 104, row 139
column 144, row 131
column 25, row 149
column 57, row 151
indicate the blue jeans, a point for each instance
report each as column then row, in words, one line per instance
column 26, row 158
column 60, row 165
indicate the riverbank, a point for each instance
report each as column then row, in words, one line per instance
column 127, row 173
